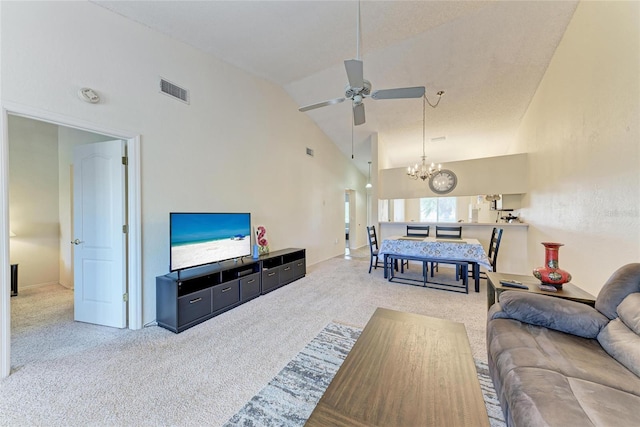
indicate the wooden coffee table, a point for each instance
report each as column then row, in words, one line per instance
column 405, row 370
column 569, row 291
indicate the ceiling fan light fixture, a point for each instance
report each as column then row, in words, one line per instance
column 359, row 88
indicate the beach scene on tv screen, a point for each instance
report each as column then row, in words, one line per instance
column 198, row 239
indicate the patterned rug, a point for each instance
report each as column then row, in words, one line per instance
column 291, row 396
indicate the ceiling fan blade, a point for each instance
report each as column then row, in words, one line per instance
column 321, row 104
column 354, row 72
column 358, row 114
column 404, row 92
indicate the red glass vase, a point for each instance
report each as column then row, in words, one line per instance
column 551, row 274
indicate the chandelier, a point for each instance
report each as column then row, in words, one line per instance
column 422, row 170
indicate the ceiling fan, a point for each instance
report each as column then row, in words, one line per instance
column 359, row 88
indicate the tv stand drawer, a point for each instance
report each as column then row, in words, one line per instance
column 226, row 294
column 194, row 306
column 299, row 268
column 270, row 279
column 286, row 273
column 249, row 287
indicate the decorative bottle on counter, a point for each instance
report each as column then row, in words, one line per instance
column 550, row 274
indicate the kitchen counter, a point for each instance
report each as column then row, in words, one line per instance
column 463, row 224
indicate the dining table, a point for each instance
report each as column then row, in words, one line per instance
column 433, row 249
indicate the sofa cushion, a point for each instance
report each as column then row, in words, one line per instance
column 624, row 281
column 622, row 344
column 606, row 406
column 538, row 397
column 513, row 344
column 629, row 312
column 551, row 312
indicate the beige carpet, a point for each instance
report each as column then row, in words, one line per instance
column 69, row 373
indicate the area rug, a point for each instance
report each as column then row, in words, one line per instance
column 290, row 397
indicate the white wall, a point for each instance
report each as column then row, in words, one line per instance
column 489, row 175
column 239, row 145
column 412, row 210
column 374, row 192
column 582, row 134
column 33, row 200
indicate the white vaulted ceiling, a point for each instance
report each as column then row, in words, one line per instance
column 488, row 57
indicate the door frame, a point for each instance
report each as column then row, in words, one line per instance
column 134, row 244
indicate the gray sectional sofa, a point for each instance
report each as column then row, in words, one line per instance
column 556, row 362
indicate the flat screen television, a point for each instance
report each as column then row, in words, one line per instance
column 203, row 238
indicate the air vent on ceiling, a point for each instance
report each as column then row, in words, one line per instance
column 174, row 91
column 309, row 152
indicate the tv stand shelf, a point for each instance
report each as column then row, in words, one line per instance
column 187, row 299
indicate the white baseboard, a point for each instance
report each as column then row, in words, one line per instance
column 38, row 285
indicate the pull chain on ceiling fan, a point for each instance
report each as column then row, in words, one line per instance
column 352, row 157
column 359, row 88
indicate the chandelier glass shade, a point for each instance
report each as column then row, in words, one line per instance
column 423, row 170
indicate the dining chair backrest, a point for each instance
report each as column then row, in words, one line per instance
column 447, row 231
column 494, row 245
column 373, row 239
column 417, row 231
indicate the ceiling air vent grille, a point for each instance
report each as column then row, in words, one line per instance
column 174, row 91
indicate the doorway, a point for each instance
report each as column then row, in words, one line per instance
column 41, row 192
column 133, row 247
column 350, row 221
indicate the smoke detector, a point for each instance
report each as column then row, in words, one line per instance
column 89, row 95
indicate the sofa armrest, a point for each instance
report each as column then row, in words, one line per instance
column 550, row 312
column 495, row 312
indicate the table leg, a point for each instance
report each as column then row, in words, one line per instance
column 14, row 280
column 425, row 271
column 465, row 276
column 476, row 275
column 384, row 267
column 491, row 294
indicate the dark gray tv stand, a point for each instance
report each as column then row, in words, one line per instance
column 202, row 293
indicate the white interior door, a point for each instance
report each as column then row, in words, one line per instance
column 98, row 238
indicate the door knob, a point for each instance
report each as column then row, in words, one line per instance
column 76, row 242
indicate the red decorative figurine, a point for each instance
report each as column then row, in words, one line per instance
column 550, row 274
